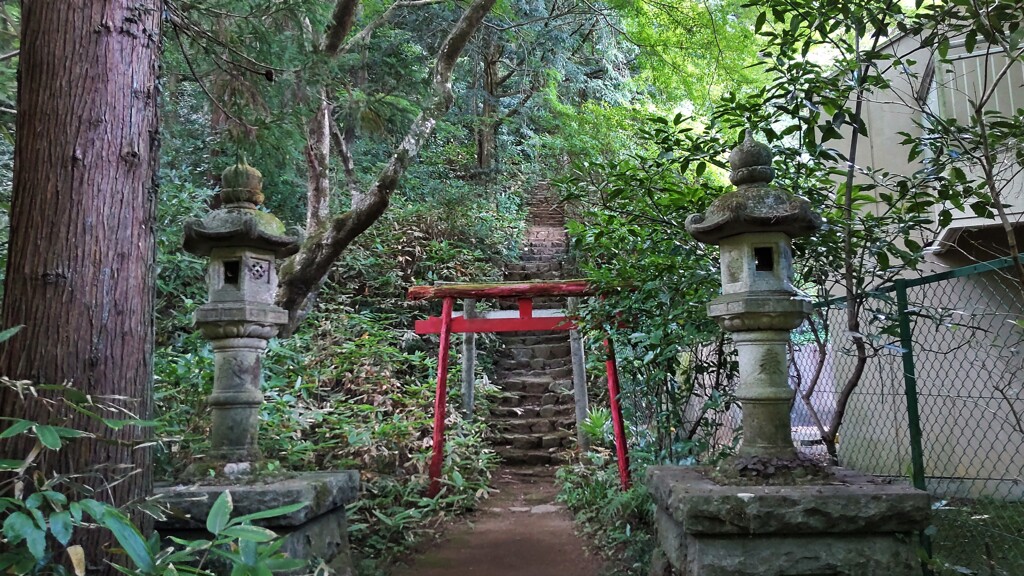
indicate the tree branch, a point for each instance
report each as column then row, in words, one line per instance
column 342, row 20
column 368, row 30
column 303, row 274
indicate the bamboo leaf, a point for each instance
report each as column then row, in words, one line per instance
column 60, row 526
column 6, row 334
column 219, row 514
column 272, row 513
column 250, row 533
column 48, row 436
column 18, row 427
column 129, row 538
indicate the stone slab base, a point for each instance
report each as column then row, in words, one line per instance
column 852, row 527
column 319, row 530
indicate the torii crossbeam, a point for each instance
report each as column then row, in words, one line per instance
column 524, row 319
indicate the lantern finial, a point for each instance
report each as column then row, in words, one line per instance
column 751, row 162
column 241, row 184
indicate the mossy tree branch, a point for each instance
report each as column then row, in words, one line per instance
column 302, row 276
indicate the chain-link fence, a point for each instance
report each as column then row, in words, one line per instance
column 934, row 398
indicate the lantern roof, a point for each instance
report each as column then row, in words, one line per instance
column 755, row 206
column 239, row 223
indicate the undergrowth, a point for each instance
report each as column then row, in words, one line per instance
column 620, row 523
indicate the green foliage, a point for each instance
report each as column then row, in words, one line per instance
column 598, row 426
column 393, row 514
column 621, row 523
column 10, row 24
column 442, row 231
column 10, row 20
column 41, row 511
column 691, row 51
column 181, row 277
column 353, row 398
column 628, row 242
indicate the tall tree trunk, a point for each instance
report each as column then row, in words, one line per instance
column 318, row 157
column 81, row 262
column 487, row 127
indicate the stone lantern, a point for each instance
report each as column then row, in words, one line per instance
column 753, row 225
column 824, row 521
column 243, row 244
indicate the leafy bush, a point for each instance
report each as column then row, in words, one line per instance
column 655, row 282
column 598, row 426
column 42, row 511
column 621, row 523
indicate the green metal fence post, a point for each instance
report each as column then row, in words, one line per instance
column 910, row 389
column 910, row 386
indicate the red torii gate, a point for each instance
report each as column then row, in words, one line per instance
column 522, row 320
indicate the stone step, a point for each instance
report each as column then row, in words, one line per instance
column 519, row 360
column 547, row 350
column 512, row 366
column 554, row 373
column 546, row 240
column 548, row 247
column 555, row 411
column 523, row 358
column 518, row 457
column 533, row 267
column 528, row 276
column 558, row 256
column 553, row 439
column 537, row 384
column 552, row 257
column 548, row 250
column 526, row 384
column 532, row 425
column 531, row 338
column 533, row 399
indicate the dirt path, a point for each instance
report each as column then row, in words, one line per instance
column 519, row 531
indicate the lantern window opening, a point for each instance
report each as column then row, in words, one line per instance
column 764, row 259
column 232, row 271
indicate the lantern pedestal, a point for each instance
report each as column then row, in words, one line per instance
column 853, row 527
column 320, row 530
column 238, row 333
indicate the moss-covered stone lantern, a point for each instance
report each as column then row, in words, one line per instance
column 753, row 226
column 793, row 515
column 243, row 244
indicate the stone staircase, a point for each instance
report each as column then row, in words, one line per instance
column 535, row 414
